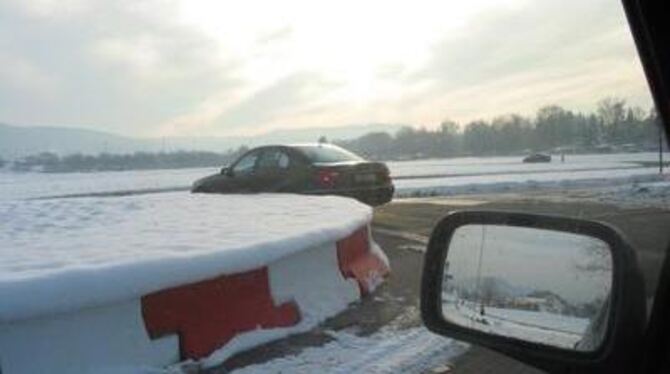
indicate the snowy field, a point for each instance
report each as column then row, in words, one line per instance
column 412, row 178
column 558, row 322
column 509, row 174
column 32, row 185
column 522, row 182
column 542, row 327
column 512, row 164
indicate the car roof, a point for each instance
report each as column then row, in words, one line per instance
column 313, row 145
column 295, row 146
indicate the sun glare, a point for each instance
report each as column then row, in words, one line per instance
column 354, row 44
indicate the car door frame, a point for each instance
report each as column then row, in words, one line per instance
column 241, row 183
column 651, row 33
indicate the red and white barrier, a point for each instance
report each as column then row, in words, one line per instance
column 207, row 321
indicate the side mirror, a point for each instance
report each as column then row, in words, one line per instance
column 226, row 171
column 561, row 294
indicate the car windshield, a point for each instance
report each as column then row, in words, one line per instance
column 348, row 129
column 326, row 154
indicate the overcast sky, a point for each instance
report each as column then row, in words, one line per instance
column 549, row 260
column 210, row 67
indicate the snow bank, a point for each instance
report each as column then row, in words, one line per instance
column 523, row 182
column 652, row 194
column 61, row 255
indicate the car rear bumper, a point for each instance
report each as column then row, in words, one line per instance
column 373, row 196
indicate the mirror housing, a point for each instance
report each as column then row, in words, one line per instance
column 226, row 171
column 620, row 348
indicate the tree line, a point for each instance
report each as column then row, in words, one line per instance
column 613, row 126
column 52, row 163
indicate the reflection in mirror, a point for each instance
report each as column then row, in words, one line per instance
column 537, row 285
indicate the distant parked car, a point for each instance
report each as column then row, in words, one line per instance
column 537, row 157
column 322, row 169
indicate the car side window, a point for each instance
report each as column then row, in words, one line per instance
column 283, row 162
column 246, row 164
column 274, row 159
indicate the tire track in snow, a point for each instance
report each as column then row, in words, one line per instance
column 413, row 350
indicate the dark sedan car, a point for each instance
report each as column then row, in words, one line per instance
column 303, row 168
column 537, row 158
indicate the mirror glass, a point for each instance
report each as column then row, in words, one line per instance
column 542, row 286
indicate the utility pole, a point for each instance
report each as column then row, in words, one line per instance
column 479, row 272
column 660, row 149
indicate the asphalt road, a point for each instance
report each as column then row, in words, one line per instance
column 402, row 228
column 645, row 228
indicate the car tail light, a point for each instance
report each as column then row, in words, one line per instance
column 326, row 178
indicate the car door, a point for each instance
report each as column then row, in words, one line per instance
column 242, row 177
column 275, row 170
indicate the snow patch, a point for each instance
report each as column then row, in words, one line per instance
column 653, row 194
column 414, row 350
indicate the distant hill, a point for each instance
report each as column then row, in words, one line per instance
column 18, row 141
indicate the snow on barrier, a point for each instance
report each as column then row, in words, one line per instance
column 96, row 284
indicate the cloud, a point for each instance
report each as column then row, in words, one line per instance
column 21, row 75
column 275, row 102
column 276, row 35
column 120, row 66
column 53, row 9
column 174, row 67
column 545, row 52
